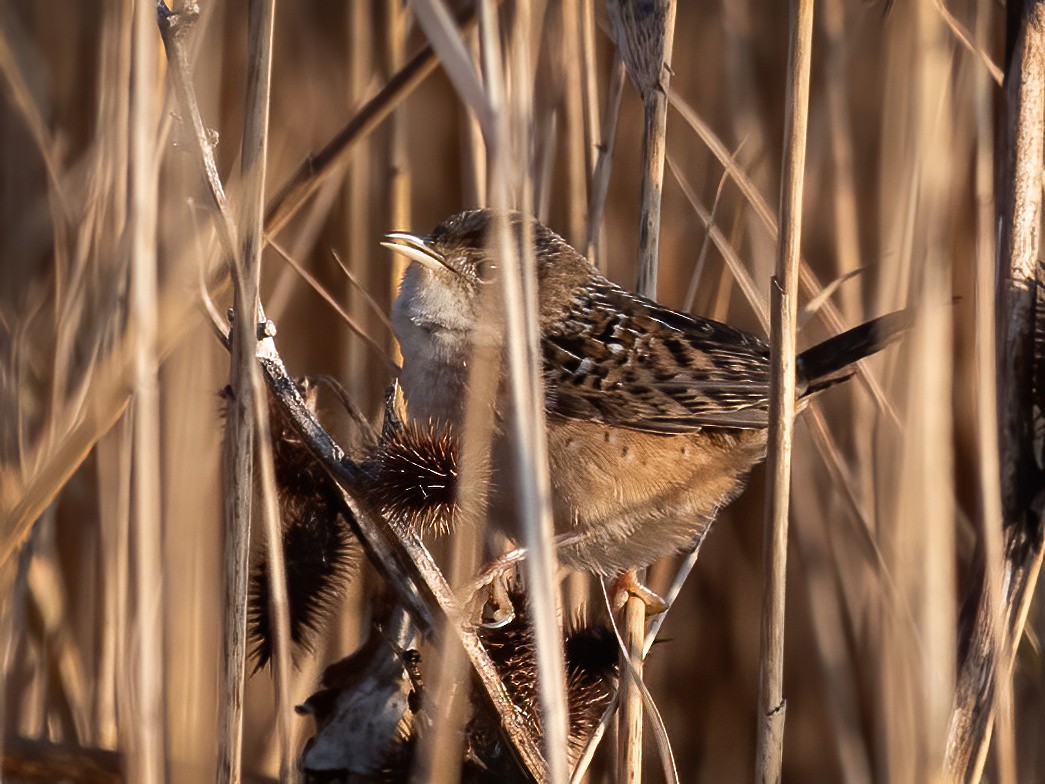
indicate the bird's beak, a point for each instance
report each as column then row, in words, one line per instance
column 416, row 249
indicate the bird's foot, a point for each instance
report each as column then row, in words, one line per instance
column 491, row 585
column 498, row 609
column 627, row 585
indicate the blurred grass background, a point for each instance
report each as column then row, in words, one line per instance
column 902, row 109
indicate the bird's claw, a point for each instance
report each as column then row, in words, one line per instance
column 627, row 586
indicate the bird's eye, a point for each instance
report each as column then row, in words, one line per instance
column 484, row 270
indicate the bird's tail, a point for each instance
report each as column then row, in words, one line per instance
column 828, row 363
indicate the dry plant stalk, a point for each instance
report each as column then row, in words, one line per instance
column 512, row 104
column 75, row 144
column 1002, row 614
column 783, row 315
column 147, row 761
column 600, row 177
column 253, row 166
column 644, row 33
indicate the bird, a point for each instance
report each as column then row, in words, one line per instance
column 655, row 417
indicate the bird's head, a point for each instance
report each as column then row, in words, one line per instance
column 451, row 267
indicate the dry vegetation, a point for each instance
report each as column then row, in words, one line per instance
column 922, row 175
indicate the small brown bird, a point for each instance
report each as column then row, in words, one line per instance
column 655, row 417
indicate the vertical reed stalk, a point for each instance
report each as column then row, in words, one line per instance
column 985, row 358
column 241, row 428
column 253, row 167
column 629, row 750
column 358, row 193
column 654, row 148
column 509, row 94
column 783, row 313
column 644, row 33
column 399, row 184
column 147, row 758
column 989, row 662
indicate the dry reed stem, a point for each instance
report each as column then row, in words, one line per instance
column 511, row 102
column 253, row 166
column 590, row 84
column 577, row 119
column 358, row 192
column 246, row 405
column 399, row 178
column 644, row 34
column 629, row 729
column 988, row 663
column 146, row 762
column 783, row 314
column 985, row 359
column 238, row 461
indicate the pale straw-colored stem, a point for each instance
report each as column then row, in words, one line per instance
column 783, row 314
column 146, row 761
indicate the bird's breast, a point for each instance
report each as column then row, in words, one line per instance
column 434, row 369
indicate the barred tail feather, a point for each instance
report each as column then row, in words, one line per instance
column 827, row 363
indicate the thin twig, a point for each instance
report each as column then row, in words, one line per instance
column 783, row 313
column 316, row 168
column 600, row 178
column 343, row 314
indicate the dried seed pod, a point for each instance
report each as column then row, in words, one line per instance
column 366, row 712
column 320, row 553
column 591, row 666
column 412, row 476
column 641, row 29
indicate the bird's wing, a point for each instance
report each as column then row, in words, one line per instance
column 625, row 361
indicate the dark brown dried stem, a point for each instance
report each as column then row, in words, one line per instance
column 1022, row 499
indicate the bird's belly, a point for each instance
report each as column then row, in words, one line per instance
column 629, row 498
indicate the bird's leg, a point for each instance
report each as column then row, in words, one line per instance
column 493, row 579
column 627, row 584
column 498, row 610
